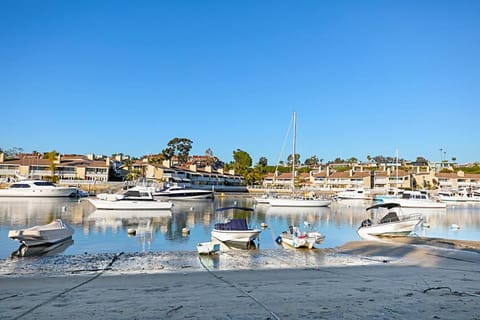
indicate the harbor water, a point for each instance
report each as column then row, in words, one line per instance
column 190, row 222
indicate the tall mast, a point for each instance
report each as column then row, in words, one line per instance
column 294, row 142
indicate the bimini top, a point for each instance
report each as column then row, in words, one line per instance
column 388, row 206
column 237, row 208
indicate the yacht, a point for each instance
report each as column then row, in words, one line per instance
column 416, row 199
column 458, row 196
column 183, row 193
column 130, row 200
column 37, row 188
column 353, row 193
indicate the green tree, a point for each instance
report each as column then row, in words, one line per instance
column 180, row 147
column 263, row 161
column 52, row 156
column 242, row 161
column 297, row 159
column 313, row 160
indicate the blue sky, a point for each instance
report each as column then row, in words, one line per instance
column 364, row 77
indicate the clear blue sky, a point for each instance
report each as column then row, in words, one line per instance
column 365, row 77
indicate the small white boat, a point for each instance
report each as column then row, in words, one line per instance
column 130, row 200
column 296, row 238
column 37, row 188
column 235, row 230
column 208, row 247
column 393, row 223
column 56, row 231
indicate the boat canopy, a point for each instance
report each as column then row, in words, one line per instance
column 388, row 206
column 390, row 217
column 234, row 224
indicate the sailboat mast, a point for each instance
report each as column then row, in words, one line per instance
column 294, row 148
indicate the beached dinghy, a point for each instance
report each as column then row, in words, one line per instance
column 296, row 238
column 53, row 232
column 208, row 247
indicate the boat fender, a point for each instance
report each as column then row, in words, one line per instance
column 278, row 240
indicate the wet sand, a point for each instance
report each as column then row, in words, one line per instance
column 420, row 278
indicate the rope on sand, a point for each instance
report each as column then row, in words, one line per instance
column 70, row 289
column 240, row 289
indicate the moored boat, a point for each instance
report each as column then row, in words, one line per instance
column 54, row 232
column 208, row 247
column 392, row 223
column 37, row 188
column 130, row 200
column 235, row 230
column 416, row 199
column 296, row 238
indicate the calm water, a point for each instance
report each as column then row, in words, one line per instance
column 97, row 232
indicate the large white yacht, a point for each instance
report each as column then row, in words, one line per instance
column 416, row 199
column 37, row 188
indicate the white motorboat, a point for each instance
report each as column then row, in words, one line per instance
column 130, row 200
column 416, row 199
column 353, row 193
column 37, row 188
column 176, row 192
column 208, row 247
column 457, row 196
column 393, row 221
column 235, row 230
column 299, row 202
column 296, row 238
column 54, row 232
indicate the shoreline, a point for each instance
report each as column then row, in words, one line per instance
column 429, row 278
column 364, row 252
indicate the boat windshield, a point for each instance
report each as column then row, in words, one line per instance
column 19, row 186
column 44, row 184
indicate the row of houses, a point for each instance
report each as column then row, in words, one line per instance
column 90, row 168
column 206, row 171
column 327, row 178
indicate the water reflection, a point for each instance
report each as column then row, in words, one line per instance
column 163, row 230
column 42, row 250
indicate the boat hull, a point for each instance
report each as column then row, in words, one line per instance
column 130, row 204
column 186, row 195
column 284, row 202
column 39, row 193
column 298, row 242
column 241, row 236
column 399, row 228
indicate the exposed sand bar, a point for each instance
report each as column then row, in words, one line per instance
column 361, row 280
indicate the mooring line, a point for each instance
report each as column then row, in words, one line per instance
column 70, row 289
column 239, row 289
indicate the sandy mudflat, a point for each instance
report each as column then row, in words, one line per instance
column 421, row 279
